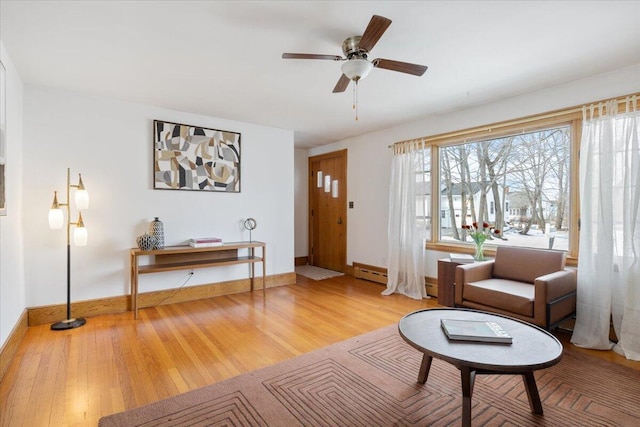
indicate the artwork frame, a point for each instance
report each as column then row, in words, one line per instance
column 195, row 158
column 3, row 140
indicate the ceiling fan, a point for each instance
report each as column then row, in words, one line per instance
column 356, row 50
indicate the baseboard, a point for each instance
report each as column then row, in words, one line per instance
column 112, row 305
column 349, row 270
column 89, row 308
column 301, row 260
column 10, row 347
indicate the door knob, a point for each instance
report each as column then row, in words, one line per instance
column 340, row 220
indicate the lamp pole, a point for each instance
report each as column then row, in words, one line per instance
column 69, row 322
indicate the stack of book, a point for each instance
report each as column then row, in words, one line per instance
column 461, row 258
column 205, row 242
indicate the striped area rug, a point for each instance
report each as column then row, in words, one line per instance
column 316, row 273
column 370, row 380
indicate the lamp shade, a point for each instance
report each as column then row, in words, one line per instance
column 80, row 233
column 80, row 236
column 356, row 69
column 82, row 199
column 56, row 218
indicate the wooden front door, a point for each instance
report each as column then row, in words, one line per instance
column 328, row 210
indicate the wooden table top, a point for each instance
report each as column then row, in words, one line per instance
column 532, row 347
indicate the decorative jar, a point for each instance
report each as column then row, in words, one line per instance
column 146, row 242
column 156, row 229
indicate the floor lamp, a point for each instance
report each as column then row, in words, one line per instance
column 56, row 221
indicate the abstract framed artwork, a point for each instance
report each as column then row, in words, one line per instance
column 3, row 140
column 195, row 158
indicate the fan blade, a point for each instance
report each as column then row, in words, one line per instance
column 376, row 28
column 342, row 84
column 311, row 56
column 403, row 67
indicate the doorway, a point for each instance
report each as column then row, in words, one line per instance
column 328, row 210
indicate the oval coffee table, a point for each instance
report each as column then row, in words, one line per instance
column 532, row 348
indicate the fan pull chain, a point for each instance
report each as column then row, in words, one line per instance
column 354, row 94
column 355, row 98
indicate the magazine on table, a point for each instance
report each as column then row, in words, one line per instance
column 475, row 330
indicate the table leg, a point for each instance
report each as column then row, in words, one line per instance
column 532, row 392
column 424, row 369
column 468, row 377
column 253, row 264
column 264, row 272
column 134, row 285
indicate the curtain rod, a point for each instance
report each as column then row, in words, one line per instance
column 523, row 120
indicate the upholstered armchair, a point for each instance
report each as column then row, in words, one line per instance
column 529, row 284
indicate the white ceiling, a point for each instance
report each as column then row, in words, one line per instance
column 223, row 59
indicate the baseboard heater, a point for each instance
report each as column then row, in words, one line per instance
column 379, row 275
column 366, row 272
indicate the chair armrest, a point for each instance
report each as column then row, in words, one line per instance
column 550, row 287
column 471, row 273
column 554, row 285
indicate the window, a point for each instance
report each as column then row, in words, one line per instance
column 515, row 176
column 528, row 172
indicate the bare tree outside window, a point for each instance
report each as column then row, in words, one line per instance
column 517, row 183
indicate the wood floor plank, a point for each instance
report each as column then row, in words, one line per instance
column 114, row 362
column 17, row 409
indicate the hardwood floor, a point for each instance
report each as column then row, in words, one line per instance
column 114, row 363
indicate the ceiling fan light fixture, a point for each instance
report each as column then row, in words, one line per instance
column 356, row 69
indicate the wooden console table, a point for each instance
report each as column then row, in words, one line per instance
column 172, row 258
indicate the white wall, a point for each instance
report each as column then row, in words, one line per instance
column 369, row 157
column 110, row 143
column 12, row 283
column 301, row 202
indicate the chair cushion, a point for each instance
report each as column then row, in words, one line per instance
column 509, row 295
column 525, row 264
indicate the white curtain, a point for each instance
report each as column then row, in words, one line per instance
column 609, row 258
column 406, row 237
